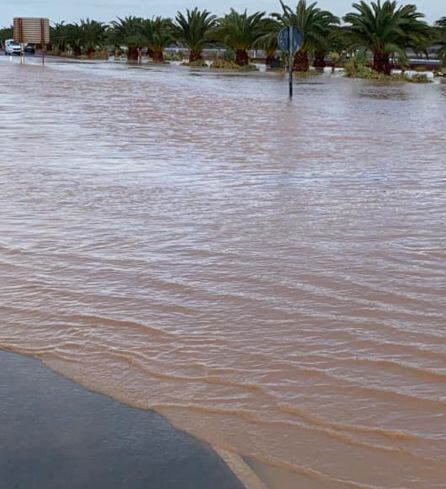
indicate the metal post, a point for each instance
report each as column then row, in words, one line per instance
column 42, row 40
column 290, row 59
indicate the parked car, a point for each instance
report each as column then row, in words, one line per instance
column 29, row 49
column 12, row 47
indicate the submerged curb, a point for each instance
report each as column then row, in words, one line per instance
column 241, row 469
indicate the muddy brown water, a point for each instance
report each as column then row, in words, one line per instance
column 270, row 276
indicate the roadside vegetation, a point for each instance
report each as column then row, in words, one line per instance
column 370, row 41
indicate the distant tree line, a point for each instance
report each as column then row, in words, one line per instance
column 385, row 29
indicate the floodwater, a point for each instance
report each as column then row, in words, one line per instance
column 270, row 276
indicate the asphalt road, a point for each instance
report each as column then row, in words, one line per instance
column 56, row 434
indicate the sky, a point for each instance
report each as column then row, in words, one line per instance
column 106, row 10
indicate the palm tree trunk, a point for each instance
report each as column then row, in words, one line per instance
column 381, row 63
column 158, row 56
column 77, row 51
column 319, row 60
column 132, row 53
column 270, row 57
column 241, row 57
column 195, row 56
column 301, row 61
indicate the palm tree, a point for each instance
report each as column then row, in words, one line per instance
column 332, row 43
column 336, row 47
column 128, row 32
column 74, row 38
column 385, row 29
column 240, row 32
column 268, row 40
column 59, row 36
column 313, row 23
column 440, row 38
column 5, row 33
column 158, row 34
column 193, row 31
column 92, row 35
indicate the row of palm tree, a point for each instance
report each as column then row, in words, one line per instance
column 383, row 28
column 135, row 33
column 85, row 37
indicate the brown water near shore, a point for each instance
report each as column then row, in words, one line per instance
column 270, row 276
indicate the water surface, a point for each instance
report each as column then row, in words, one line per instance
column 270, row 276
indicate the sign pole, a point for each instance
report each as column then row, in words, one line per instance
column 290, row 60
column 42, row 40
column 289, row 40
column 20, row 40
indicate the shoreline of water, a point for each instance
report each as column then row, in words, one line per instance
column 260, row 71
column 247, row 473
column 83, row 439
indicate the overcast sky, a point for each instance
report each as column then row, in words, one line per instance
column 106, row 10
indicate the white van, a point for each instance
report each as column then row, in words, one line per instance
column 12, row 47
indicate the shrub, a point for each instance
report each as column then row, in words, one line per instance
column 356, row 68
column 418, row 78
column 224, row 64
column 172, row 56
column 199, row 63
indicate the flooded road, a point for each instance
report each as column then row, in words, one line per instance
column 270, row 276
